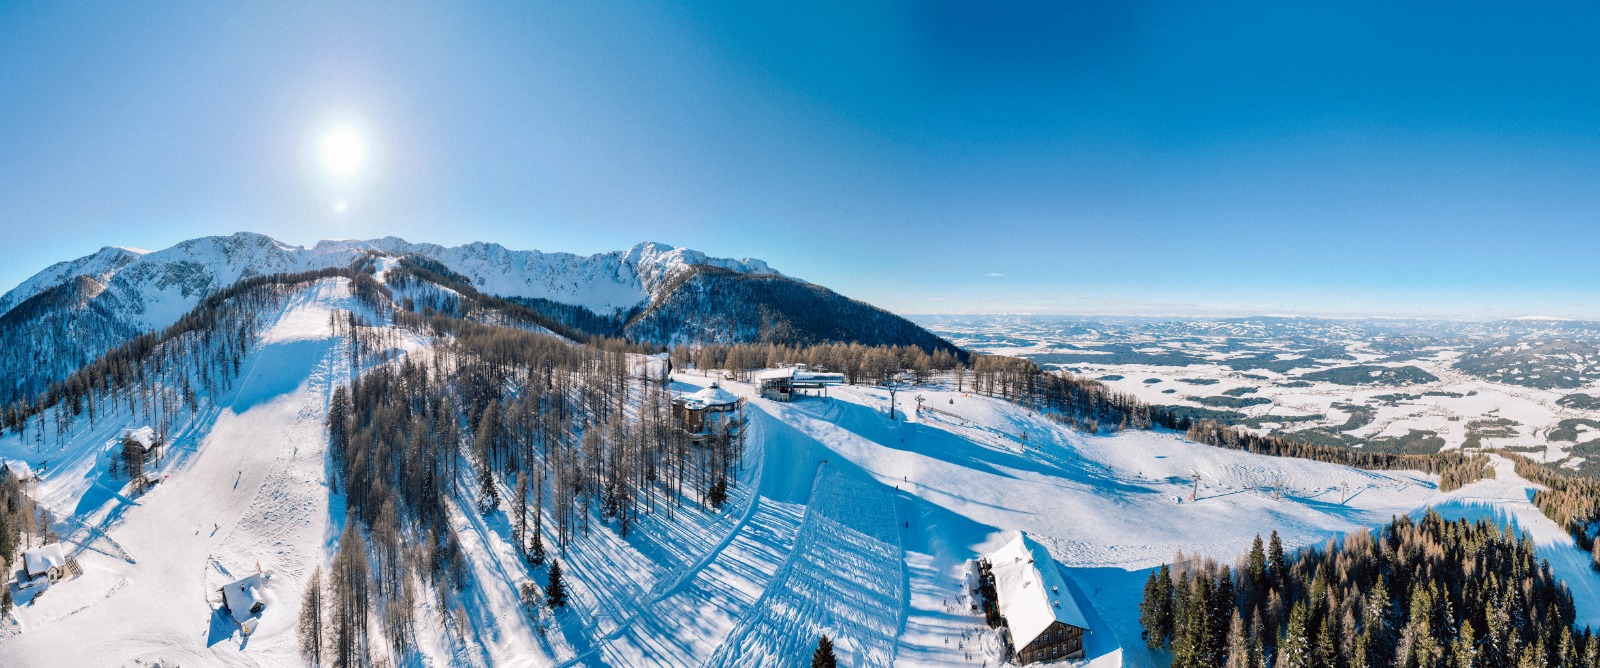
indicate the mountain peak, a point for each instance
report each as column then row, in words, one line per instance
column 156, row 286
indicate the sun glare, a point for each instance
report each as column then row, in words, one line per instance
column 343, row 151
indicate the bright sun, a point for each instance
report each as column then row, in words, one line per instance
column 343, row 151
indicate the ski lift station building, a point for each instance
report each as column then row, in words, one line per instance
column 781, row 384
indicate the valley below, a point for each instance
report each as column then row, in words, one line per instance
column 1526, row 387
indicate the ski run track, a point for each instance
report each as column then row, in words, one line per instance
column 843, row 522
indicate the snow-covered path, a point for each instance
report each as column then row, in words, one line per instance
column 1506, row 500
column 251, row 490
column 816, row 549
column 680, row 622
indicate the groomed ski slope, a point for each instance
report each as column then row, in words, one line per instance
column 844, row 522
column 815, row 557
column 244, row 483
column 1112, row 507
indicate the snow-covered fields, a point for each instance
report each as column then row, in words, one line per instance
column 845, row 522
column 1408, row 386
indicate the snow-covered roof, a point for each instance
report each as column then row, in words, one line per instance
column 40, row 560
column 19, row 469
column 711, row 396
column 1032, row 593
column 145, row 436
column 775, row 373
column 818, row 377
column 242, row 595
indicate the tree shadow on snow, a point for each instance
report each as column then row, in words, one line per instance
column 576, row 633
column 278, row 369
column 952, row 448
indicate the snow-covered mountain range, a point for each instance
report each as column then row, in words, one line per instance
column 72, row 312
column 151, row 289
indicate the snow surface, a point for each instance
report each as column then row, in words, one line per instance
column 843, row 522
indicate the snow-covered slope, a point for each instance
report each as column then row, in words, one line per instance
column 844, row 522
column 243, row 487
column 100, row 266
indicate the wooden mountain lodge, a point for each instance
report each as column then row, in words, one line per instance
column 1023, row 591
column 46, row 565
column 141, row 448
column 709, row 412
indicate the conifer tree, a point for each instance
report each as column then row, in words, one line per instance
column 310, row 629
column 488, row 493
column 1420, row 646
column 1276, row 565
column 1155, row 611
column 1323, row 654
column 1238, row 644
column 1255, row 575
column 1182, row 588
column 555, row 589
column 1220, row 608
column 1379, row 619
column 1532, row 655
column 1294, row 647
column 536, row 555
column 1495, row 647
column 1361, row 650
column 822, row 656
column 1463, row 650
column 1193, row 644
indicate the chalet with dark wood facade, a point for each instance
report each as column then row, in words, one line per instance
column 709, row 412
column 1024, row 592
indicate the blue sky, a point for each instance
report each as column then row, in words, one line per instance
column 1085, row 157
